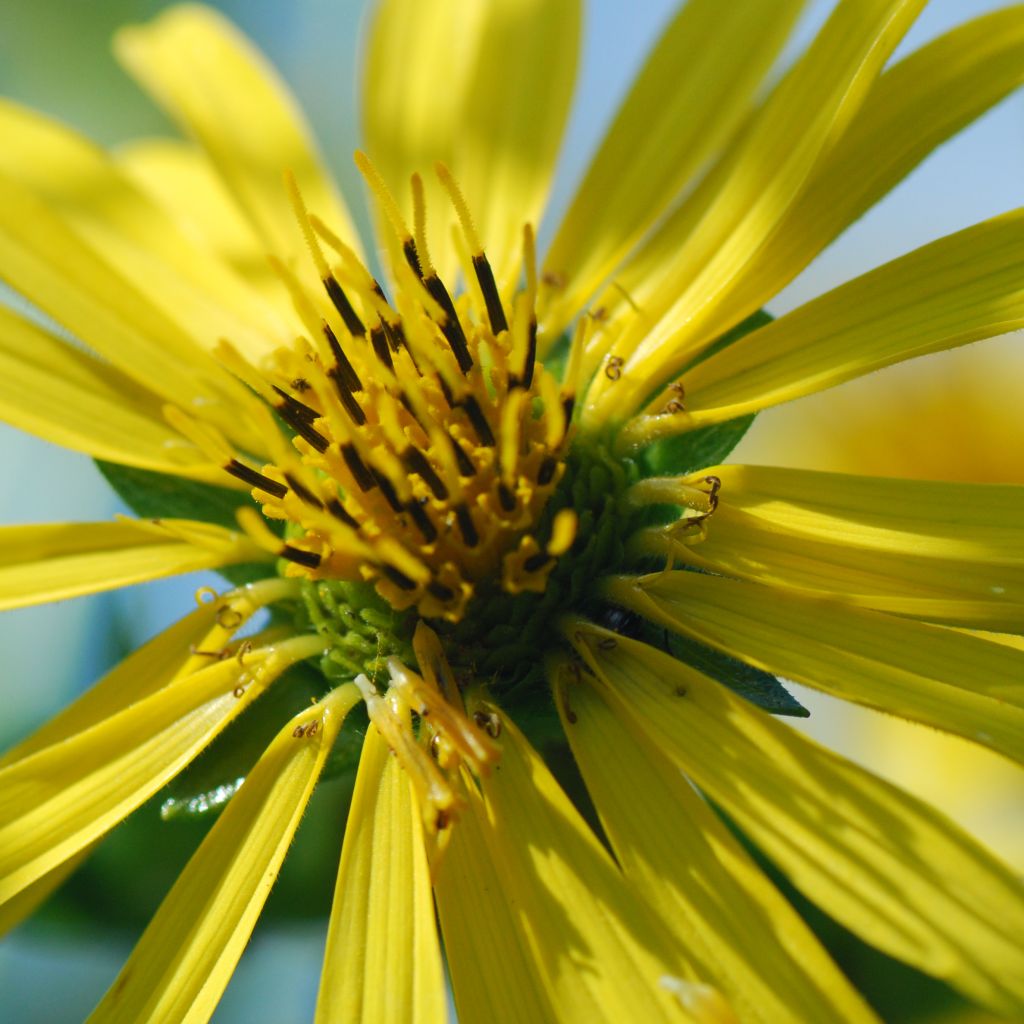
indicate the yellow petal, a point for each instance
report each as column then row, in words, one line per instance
column 691, row 95
column 19, row 907
column 61, row 394
column 961, row 684
column 601, row 952
column 185, row 647
column 459, row 83
column 751, row 194
column 46, row 261
column 885, row 865
column 409, row 120
column 914, row 107
column 513, row 119
column 224, row 94
column 383, row 959
column 942, row 552
column 60, row 560
column 136, row 236
column 183, row 961
column 61, row 798
column 956, row 290
column 745, row 937
column 180, row 176
column 490, row 962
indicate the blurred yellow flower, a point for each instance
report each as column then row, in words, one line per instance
column 477, row 508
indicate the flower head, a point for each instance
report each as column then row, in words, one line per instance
column 478, row 495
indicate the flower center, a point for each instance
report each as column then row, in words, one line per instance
column 426, row 439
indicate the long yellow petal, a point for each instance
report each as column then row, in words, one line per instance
column 22, row 906
column 513, row 119
column 959, row 289
column 49, row 263
column 692, row 93
column 806, row 113
column 61, row 394
column 181, row 177
column 136, row 236
column 182, row 964
column 383, row 959
column 492, row 969
column 458, row 83
column 410, row 120
column 60, row 560
column 223, row 93
column 603, row 954
column 746, row 938
column 888, row 867
column 185, row 647
column 942, row 677
column 911, row 109
column 942, row 552
column 59, row 799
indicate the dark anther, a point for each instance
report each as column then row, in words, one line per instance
column 303, row 426
column 335, row 507
column 546, row 471
column 440, row 591
column 352, row 407
column 301, row 385
column 506, row 498
column 419, row 516
column 363, row 477
column 399, row 579
column 535, row 562
column 254, row 479
column 476, row 416
column 302, row 492
column 381, row 348
column 525, row 380
column 298, row 408
column 412, row 257
column 310, row 559
column 466, row 467
column 416, row 462
column 568, row 404
column 446, row 391
column 451, row 328
column 345, row 372
column 388, row 490
column 343, row 306
column 495, row 312
column 466, row 526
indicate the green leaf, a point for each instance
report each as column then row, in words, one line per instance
column 161, row 495
column 209, row 782
column 708, row 446
column 156, row 495
column 753, row 684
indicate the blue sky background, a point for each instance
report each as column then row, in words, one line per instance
column 53, row 55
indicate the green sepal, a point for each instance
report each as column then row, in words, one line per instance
column 161, row 495
column 708, row 446
column 209, row 782
column 753, row 684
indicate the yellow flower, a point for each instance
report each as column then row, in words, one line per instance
column 460, row 502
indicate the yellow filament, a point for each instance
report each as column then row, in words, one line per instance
column 419, row 216
column 383, row 195
column 461, row 208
